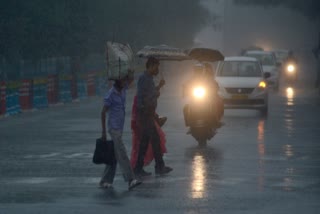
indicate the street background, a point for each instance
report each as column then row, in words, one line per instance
column 253, row 165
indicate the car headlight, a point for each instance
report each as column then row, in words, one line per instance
column 262, row 85
column 199, row 92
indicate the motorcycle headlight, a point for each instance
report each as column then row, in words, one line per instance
column 199, row 92
column 290, row 68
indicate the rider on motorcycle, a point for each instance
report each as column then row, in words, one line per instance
column 291, row 58
column 290, row 67
column 203, row 73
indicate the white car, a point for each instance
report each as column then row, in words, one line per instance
column 242, row 83
column 269, row 64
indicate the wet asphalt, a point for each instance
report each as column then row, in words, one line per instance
column 254, row 164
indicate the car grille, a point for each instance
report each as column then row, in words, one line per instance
column 239, row 90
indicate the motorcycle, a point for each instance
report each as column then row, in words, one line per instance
column 198, row 114
column 290, row 74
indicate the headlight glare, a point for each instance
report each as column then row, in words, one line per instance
column 290, row 68
column 262, row 85
column 199, row 92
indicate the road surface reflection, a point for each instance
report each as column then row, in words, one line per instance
column 199, row 177
column 204, row 164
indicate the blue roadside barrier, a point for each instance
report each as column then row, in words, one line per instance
column 82, row 88
column 40, row 97
column 65, row 95
column 50, row 82
column 12, row 99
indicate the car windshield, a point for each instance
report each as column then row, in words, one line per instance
column 265, row 59
column 240, row 69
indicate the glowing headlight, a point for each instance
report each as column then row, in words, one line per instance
column 262, row 85
column 199, row 92
column 290, row 68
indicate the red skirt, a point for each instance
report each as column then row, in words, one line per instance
column 136, row 139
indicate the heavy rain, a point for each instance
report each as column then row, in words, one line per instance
column 235, row 106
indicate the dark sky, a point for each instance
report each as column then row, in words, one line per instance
column 271, row 28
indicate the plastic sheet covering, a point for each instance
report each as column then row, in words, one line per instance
column 119, row 60
column 163, row 52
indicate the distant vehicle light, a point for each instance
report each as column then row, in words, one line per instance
column 290, row 68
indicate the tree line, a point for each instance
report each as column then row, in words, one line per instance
column 36, row 29
column 309, row 8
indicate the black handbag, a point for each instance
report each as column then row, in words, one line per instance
column 104, row 152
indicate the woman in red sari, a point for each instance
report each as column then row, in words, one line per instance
column 136, row 138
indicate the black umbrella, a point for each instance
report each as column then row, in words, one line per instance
column 205, row 54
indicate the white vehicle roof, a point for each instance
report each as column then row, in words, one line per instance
column 240, row 58
column 281, row 50
column 258, row 52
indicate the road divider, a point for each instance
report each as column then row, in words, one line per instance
column 44, row 91
column 12, row 98
column 25, row 94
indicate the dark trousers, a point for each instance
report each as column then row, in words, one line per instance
column 148, row 133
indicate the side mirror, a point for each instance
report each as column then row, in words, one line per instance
column 266, row 75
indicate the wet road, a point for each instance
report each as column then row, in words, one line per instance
column 253, row 165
